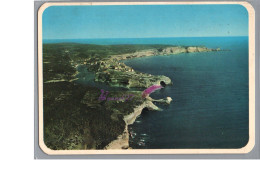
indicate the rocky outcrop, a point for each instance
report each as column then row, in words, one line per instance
column 166, row 100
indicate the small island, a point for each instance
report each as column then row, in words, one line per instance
column 74, row 116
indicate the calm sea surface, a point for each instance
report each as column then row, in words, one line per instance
column 209, row 92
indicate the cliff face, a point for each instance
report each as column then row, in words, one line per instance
column 122, row 141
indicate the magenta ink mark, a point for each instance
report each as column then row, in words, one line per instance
column 150, row 90
column 104, row 96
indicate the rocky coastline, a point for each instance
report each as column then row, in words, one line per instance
column 122, row 141
column 114, row 72
column 75, row 116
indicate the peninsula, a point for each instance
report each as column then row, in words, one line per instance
column 74, row 116
column 113, row 71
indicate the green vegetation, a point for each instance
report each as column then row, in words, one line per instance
column 80, row 52
column 74, row 118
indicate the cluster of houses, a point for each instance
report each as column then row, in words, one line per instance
column 109, row 65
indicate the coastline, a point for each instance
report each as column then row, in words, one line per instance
column 163, row 51
column 114, row 72
column 107, row 64
column 122, row 141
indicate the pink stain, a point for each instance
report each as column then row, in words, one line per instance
column 150, row 90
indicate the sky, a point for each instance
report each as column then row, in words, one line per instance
column 144, row 21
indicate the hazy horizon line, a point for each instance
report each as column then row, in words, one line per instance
column 143, row 37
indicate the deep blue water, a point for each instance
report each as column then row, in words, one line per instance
column 209, row 92
column 210, row 98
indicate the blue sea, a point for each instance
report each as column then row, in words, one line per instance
column 209, row 92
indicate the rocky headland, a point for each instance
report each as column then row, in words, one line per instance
column 113, row 71
column 74, row 116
